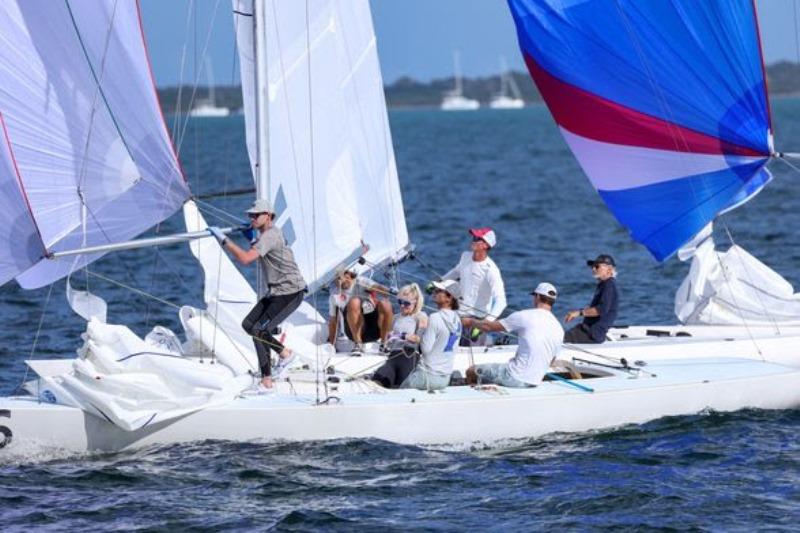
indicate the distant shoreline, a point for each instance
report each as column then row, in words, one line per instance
column 783, row 81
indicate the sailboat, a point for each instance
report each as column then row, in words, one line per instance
column 320, row 150
column 504, row 100
column 455, row 100
column 207, row 107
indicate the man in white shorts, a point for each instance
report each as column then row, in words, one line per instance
column 540, row 335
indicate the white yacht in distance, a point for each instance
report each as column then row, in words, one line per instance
column 503, row 100
column 455, row 100
column 207, row 107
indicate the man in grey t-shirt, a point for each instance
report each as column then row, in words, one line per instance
column 286, row 287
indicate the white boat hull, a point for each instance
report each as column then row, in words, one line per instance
column 456, row 416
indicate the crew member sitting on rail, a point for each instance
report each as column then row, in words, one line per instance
column 355, row 308
column 439, row 341
column 599, row 316
column 403, row 344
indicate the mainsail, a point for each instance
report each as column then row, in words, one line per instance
column 664, row 104
column 84, row 147
column 330, row 168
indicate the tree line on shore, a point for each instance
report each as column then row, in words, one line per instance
column 783, row 79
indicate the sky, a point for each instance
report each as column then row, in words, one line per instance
column 416, row 38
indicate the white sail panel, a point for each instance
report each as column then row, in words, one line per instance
column 20, row 243
column 85, row 127
column 732, row 288
column 332, row 173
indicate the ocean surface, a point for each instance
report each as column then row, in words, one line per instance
column 506, row 169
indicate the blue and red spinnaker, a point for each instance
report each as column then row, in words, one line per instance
column 663, row 103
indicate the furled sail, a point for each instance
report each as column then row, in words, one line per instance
column 331, row 167
column 91, row 153
column 732, row 288
column 664, row 104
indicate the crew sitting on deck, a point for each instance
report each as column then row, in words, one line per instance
column 599, row 316
column 483, row 294
column 438, row 341
column 539, row 335
column 601, row 312
column 356, row 309
column 403, row 343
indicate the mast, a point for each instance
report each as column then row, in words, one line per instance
column 261, row 99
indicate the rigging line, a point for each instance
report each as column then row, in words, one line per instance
column 216, row 212
column 750, row 280
column 133, row 289
column 790, row 164
column 736, row 304
column 313, row 184
column 98, row 86
column 796, row 34
column 204, row 55
column 177, row 113
column 36, row 337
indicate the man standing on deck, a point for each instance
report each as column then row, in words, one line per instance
column 285, row 286
column 483, row 294
column 602, row 310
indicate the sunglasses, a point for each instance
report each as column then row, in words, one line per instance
column 254, row 216
column 477, row 239
column 405, row 303
column 598, row 265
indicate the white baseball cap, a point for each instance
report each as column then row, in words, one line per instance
column 485, row 234
column 546, row 289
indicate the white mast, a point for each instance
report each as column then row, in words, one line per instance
column 261, row 99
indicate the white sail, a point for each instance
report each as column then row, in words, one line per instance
column 331, row 167
column 83, row 122
column 732, row 288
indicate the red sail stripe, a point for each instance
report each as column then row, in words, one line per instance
column 600, row 119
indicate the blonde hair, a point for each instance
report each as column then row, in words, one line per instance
column 412, row 291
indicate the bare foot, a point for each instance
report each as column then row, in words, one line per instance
column 266, row 381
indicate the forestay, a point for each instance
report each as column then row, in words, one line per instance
column 664, row 105
column 91, row 154
column 331, row 168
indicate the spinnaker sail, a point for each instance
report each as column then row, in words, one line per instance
column 663, row 103
column 91, row 153
column 331, row 169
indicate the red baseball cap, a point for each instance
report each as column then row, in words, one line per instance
column 486, row 234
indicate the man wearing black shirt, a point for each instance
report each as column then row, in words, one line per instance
column 602, row 311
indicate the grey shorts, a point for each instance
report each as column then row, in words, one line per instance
column 499, row 374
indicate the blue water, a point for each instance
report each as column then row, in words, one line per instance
column 507, row 169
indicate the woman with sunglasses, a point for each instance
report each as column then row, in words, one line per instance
column 285, row 284
column 403, row 342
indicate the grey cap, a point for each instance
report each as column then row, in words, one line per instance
column 262, row 205
column 449, row 285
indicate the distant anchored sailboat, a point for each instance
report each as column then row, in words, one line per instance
column 455, row 100
column 207, row 107
column 509, row 96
